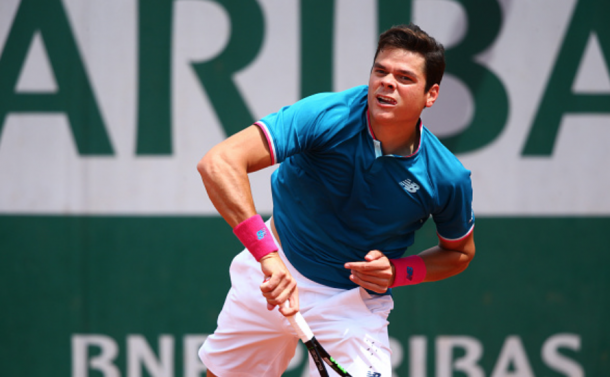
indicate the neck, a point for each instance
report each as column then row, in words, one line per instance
column 397, row 139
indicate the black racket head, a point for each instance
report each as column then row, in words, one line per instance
column 328, row 359
column 314, row 350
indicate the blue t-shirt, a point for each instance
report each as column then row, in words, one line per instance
column 336, row 197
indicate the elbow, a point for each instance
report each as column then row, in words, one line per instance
column 462, row 263
column 202, row 167
column 469, row 253
column 467, row 256
column 209, row 166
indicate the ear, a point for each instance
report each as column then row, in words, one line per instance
column 432, row 95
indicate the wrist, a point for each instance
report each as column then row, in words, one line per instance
column 267, row 256
column 256, row 237
column 408, row 270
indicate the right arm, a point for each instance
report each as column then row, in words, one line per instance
column 224, row 171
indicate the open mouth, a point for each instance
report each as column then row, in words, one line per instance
column 386, row 100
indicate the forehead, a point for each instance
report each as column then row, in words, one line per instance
column 401, row 59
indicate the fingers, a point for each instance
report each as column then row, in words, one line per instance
column 374, row 255
column 291, row 306
column 279, row 285
column 374, row 260
column 277, row 289
column 375, row 273
column 379, row 284
column 274, row 296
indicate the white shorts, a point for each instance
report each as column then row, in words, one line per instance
column 253, row 341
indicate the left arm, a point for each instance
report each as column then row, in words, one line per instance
column 447, row 259
column 377, row 273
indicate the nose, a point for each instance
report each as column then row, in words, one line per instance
column 388, row 81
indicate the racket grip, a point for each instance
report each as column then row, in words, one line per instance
column 299, row 325
column 297, row 322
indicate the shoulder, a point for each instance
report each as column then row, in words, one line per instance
column 444, row 167
column 335, row 113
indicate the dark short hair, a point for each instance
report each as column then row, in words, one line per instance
column 412, row 38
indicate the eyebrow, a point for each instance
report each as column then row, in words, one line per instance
column 401, row 71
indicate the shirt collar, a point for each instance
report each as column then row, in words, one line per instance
column 378, row 143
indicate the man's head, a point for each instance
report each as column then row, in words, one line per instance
column 412, row 38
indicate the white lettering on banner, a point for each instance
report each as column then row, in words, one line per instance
column 104, row 362
column 512, row 360
column 468, row 364
column 121, row 180
column 557, row 361
column 512, row 353
column 140, row 355
column 417, row 356
column 193, row 367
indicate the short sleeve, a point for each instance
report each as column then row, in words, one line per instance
column 308, row 124
column 454, row 216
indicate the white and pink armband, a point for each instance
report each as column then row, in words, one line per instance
column 255, row 236
column 409, row 270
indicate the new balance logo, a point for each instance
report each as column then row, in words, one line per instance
column 410, row 273
column 409, row 186
column 261, row 234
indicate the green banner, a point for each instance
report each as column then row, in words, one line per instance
column 119, row 296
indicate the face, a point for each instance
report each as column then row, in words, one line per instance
column 397, row 88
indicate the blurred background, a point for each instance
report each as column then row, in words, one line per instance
column 113, row 262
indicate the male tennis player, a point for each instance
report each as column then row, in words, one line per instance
column 359, row 175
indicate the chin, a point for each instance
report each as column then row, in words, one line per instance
column 383, row 112
column 380, row 119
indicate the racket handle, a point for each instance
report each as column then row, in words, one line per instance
column 298, row 322
column 299, row 325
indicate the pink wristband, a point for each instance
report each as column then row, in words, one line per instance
column 255, row 236
column 409, row 270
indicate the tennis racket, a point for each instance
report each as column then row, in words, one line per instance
column 317, row 352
